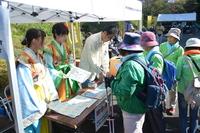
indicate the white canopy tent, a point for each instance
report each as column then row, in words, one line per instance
column 28, row 11
column 176, row 17
column 37, row 11
column 132, row 10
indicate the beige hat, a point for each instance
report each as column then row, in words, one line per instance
column 175, row 32
column 192, row 42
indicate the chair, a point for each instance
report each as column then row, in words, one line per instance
column 6, row 104
column 9, row 101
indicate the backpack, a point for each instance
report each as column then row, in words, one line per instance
column 155, row 89
column 169, row 72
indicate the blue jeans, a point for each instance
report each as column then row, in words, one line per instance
column 193, row 116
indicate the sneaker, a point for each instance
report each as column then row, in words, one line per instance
column 170, row 111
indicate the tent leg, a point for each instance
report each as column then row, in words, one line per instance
column 73, row 40
column 5, row 37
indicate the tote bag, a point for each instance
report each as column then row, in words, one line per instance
column 192, row 92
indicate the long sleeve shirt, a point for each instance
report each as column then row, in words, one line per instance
column 155, row 60
column 171, row 52
column 95, row 55
column 128, row 82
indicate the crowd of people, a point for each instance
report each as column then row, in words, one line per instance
column 130, row 79
column 42, row 69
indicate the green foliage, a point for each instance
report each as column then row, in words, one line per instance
column 155, row 7
column 20, row 29
column 18, row 32
column 94, row 27
column 3, row 76
column 192, row 3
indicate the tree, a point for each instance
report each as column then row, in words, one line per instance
column 155, row 7
column 152, row 7
column 94, row 27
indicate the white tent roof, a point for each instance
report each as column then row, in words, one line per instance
column 176, row 17
column 65, row 5
column 29, row 11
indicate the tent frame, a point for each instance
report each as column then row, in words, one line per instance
column 6, row 29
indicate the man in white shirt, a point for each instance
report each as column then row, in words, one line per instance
column 95, row 56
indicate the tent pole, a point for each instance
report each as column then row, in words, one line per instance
column 73, row 40
column 72, row 30
column 5, row 36
column 140, row 24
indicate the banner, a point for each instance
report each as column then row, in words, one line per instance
column 7, row 53
column 171, row 1
column 74, row 38
column 2, row 33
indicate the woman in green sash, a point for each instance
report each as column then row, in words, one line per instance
column 58, row 57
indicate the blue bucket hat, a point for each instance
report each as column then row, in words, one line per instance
column 131, row 42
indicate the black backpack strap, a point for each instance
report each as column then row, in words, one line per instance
column 195, row 64
column 141, row 94
column 141, row 62
column 144, row 65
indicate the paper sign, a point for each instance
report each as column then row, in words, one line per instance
column 78, row 74
column 73, row 107
column 98, row 93
column 101, row 115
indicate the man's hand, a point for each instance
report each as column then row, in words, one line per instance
column 101, row 76
column 108, row 81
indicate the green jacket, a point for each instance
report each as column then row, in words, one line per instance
column 128, row 82
column 184, row 73
column 170, row 53
column 155, row 60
